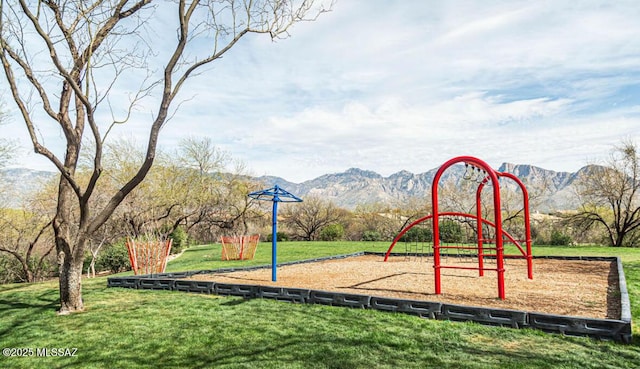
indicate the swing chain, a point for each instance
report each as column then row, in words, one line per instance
column 468, row 175
column 480, row 176
column 475, row 174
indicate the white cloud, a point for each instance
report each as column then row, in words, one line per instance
column 410, row 85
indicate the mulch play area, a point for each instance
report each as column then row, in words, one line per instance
column 563, row 287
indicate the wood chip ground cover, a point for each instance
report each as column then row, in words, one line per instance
column 563, row 287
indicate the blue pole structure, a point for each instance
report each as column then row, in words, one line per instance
column 275, row 194
column 274, row 239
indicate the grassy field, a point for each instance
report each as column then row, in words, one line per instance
column 124, row 328
column 207, row 257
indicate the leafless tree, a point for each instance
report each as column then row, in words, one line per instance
column 198, row 187
column 309, row 217
column 7, row 147
column 25, row 232
column 27, row 237
column 610, row 195
column 67, row 63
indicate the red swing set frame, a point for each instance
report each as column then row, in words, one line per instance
column 491, row 176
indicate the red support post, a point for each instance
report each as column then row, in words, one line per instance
column 479, row 230
column 527, row 221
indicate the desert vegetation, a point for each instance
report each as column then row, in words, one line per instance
column 199, row 193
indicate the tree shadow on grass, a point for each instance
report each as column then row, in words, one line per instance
column 21, row 307
column 234, row 301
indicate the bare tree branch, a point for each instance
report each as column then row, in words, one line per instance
column 77, row 55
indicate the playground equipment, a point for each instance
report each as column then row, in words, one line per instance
column 483, row 175
column 239, row 247
column 148, row 256
column 276, row 195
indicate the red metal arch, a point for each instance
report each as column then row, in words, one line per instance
column 492, row 176
column 527, row 225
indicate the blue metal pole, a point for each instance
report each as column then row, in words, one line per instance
column 274, row 239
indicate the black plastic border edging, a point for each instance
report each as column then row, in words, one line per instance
column 608, row 329
column 625, row 304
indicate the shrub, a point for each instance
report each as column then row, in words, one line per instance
column 10, row 270
column 44, row 270
column 559, row 239
column 280, row 236
column 371, row 235
column 450, row 231
column 332, row 232
column 418, row 234
column 179, row 240
column 115, row 259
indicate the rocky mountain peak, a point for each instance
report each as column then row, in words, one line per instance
column 362, row 173
column 356, row 186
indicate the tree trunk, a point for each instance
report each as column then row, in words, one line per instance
column 70, row 286
column 619, row 239
column 91, row 271
column 29, row 275
column 26, row 272
column 70, row 246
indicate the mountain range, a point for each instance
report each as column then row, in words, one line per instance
column 356, row 186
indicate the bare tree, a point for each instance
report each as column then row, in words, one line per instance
column 25, row 233
column 7, row 147
column 94, row 249
column 381, row 221
column 194, row 188
column 310, row 216
column 67, row 62
column 27, row 237
column 610, row 195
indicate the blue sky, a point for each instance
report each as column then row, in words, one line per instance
column 407, row 85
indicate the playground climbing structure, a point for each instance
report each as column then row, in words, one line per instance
column 451, row 229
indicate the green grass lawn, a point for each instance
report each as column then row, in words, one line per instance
column 208, row 257
column 124, row 328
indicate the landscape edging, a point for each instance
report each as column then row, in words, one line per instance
column 607, row 329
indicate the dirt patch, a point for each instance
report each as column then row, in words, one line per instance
column 564, row 287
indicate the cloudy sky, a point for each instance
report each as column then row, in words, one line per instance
column 406, row 85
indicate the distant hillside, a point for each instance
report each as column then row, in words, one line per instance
column 21, row 181
column 356, row 186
